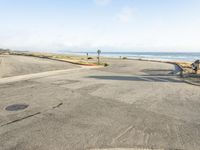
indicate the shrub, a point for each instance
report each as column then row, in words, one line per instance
column 90, row 58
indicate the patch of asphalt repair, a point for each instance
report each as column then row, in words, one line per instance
column 16, row 107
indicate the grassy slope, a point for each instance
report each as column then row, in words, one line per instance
column 80, row 60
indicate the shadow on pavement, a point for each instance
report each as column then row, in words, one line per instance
column 137, row 78
column 159, row 72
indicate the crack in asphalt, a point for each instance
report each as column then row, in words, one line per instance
column 57, row 106
column 32, row 115
column 20, row 119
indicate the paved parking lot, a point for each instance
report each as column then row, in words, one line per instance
column 130, row 104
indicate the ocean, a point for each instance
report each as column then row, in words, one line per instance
column 173, row 56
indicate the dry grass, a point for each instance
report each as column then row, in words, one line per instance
column 187, row 67
column 80, row 60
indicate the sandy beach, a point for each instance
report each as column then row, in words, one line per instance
column 129, row 104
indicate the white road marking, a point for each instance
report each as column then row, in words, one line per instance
column 39, row 75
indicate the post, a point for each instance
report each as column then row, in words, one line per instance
column 87, row 56
column 198, row 63
column 196, row 66
column 98, row 57
column 181, row 73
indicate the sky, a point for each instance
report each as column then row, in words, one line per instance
column 110, row 25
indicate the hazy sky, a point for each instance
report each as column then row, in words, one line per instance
column 112, row 25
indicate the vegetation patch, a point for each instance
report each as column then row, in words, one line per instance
column 79, row 60
column 187, row 67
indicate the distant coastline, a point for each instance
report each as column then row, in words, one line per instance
column 163, row 56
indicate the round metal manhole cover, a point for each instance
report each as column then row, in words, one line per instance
column 16, row 107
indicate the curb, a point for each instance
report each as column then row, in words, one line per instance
column 181, row 69
column 71, row 62
column 185, row 80
column 189, row 82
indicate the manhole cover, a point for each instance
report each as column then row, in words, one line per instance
column 16, row 107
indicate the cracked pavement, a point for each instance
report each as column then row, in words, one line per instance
column 130, row 104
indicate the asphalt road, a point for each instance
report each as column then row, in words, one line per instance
column 13, row 65
column 130, row 104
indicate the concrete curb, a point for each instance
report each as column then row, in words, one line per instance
column 181, row 68
column 185, row 80
column 190, row 82
column 49, row 58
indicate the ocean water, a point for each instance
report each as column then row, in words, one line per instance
column 173, row 56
